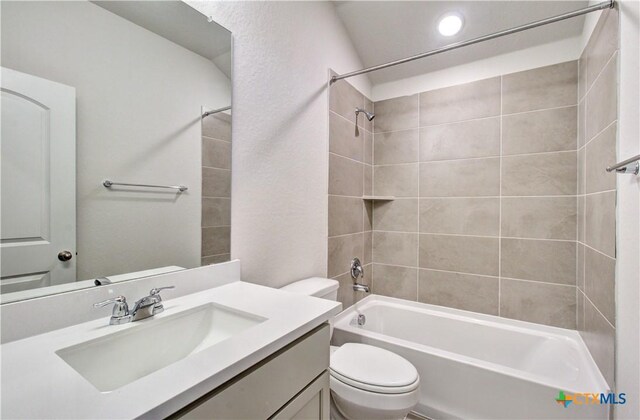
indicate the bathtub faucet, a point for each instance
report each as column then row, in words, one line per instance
column 358, row 271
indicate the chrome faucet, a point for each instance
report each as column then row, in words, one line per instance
column 358, row 271
column 146, row 307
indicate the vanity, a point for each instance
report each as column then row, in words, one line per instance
column 235, row 350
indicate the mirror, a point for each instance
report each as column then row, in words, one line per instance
column 95, row 96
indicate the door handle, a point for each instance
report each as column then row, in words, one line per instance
column 65, row 255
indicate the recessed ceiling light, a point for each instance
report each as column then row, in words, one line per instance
column 450, row 24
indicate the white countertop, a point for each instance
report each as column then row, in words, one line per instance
column 37, row 383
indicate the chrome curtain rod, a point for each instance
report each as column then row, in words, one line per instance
column 215, row 111
column 600, row 6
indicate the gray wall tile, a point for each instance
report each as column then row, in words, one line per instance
column 345, row 176
column 582, row 171
column 216, row 212
column 602, row 100
column 467, row 139
column 460, row 178
column 540, row 174
column 368, row 180
column 396, row 180
column 216, row 240
column 541, row 88
column 398, row 215
column 368, row 147
column 599, row 337
column 580, row 267
column 600, row 222
column 548, row 304
column 345, row 215
column 215, row 259
column 466, row 254
column 216, row 153
column 467, row 216
column 395, row 248
column 539, row 217
column 216, row 182
column 601, row 152
column 547, row 261
column 342, row 249
column 582, row 124
column 580, row 310
column 461, row 291
column 344, row 98
column 461, row 102
column 346, row 295
column 396, row 147
column 217, row 126
column 368, row 105
column 602, row 44
column 342, row 138
column 582, row 75
column 398, row 282
column 599, row 283
column 581, row 218
column 396, row 114
column 550, row 130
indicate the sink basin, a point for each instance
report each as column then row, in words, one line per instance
column 118, row 359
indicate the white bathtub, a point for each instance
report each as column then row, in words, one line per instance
column 476, row 366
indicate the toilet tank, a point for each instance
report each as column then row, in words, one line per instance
column 315, row 286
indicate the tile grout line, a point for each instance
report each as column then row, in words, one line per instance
column 499, row 115
column 418, row 204
column 500, row 208
column 474, row 158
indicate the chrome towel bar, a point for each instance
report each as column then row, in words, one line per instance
column 108, row 184
column 625, row 168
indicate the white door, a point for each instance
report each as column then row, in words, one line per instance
column 38, row 181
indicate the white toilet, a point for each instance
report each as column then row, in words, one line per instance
column 367, row 382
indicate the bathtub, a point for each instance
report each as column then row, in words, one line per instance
column 475, row 366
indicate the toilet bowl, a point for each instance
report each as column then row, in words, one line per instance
column 366, row 382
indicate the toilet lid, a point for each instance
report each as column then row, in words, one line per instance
column 373, row 369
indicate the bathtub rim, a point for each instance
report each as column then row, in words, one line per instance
column 342, row 322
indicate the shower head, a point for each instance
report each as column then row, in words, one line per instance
column 370, row 115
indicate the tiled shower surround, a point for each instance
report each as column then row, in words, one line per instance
column 485, row 180
column 598, row 114
column 502, row 205
column 216, row 188
column 350, row 178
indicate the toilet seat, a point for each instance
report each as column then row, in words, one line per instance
column 373, row 369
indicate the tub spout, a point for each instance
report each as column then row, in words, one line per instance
column 361, row 288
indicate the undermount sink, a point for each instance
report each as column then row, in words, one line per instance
column 122, row 357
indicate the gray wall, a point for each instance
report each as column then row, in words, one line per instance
column 485, row 179
column 138, row 120
column 350, row 178
column 216, row 188
column 597, row 133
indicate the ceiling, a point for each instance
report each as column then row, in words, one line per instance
column 180, row 23
column 384, row 31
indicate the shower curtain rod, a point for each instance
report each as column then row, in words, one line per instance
column 215, row 111
column 600, row 6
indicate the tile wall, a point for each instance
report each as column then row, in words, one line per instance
column 485, row 180
column 597, row 93
column 350, row 178
column 216, row 188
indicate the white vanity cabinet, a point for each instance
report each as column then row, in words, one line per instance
column 292, row 383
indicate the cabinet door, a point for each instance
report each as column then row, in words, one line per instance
column 310, row 404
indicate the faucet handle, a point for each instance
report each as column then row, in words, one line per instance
column 117, row 300
column 120, row 313
column 156, row 290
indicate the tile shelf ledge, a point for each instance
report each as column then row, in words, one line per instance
column 378, row 197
